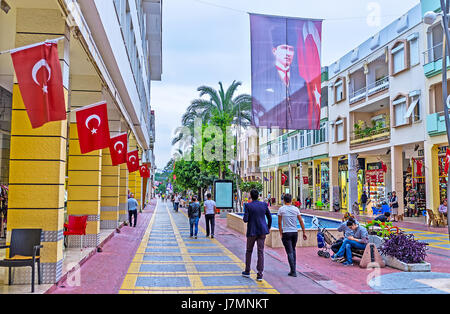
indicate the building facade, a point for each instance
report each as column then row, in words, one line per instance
column 377, row 105
column 296, row 162
column 111, row 52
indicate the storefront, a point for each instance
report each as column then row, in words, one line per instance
column 417, row 179
column 325, row 182
column 375, row 184
column 442, row 175
column 343, row 182
column 5, row 140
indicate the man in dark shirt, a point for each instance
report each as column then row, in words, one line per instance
column 255, row 214
column 384, row 217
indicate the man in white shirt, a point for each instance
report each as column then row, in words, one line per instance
column 287, row 225
column 210, row 214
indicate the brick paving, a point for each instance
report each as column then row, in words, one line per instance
column 159, row 257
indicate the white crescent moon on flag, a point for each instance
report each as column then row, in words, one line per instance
column 41, row 63
column 94, row 116
column 310, row 29
column 132, row 156
column 119, row 142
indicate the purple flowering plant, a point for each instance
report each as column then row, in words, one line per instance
column 405, row 248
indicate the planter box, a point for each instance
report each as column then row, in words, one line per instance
column 397, row 264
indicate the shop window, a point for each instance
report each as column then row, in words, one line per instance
column 400, row 107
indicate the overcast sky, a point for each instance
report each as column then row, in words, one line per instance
column 207, row 41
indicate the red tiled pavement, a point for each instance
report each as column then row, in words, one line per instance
column 330, row 275
column 104, row 272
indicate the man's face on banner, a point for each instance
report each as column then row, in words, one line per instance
column 284, row 54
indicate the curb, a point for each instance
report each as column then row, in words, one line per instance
column 84, row 260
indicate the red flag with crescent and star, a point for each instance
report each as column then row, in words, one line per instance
column 93, row 128
column 447, row 161
column 40, row 81
column 133, row 161
column 144, row 171
column 118, row 149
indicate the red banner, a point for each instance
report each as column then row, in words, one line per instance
column 92, row 126
column 144, row 171
column 305, row 180
column 133, row 161
column 39, row 75
column 118, row 149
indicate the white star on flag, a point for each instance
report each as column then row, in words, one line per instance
column 45, row 89
column 94, row 131
column 317, row 95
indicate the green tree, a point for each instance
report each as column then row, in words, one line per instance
column 221, row 109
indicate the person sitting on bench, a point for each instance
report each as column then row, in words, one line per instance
column 358, row 241
column 384, row 217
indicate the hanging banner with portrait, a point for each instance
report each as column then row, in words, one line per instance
column 286, row 72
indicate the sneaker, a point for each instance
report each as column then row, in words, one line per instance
column 259, row 277
column 334, row 258
column 292, row 274
column 347, row 263
column 195, row 237
column 246, row 274
column 341, row 260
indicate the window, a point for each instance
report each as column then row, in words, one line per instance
column 285, row 147
column 269, row 149
column 339, row 90
column 294, row 143
column 340, row 131
column 398, row 58
column 414, row 50
column 400, row 107
column 308, row 138
column 302, row 139
column 414, row 107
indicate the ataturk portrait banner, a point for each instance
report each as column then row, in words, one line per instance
column 286, row 72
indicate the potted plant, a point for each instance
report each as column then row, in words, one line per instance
column 402, row 251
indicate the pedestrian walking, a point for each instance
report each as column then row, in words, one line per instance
column 287, row 225
column 194, row 214
column 255, row 214
column 270, row 199
column 132, row 209
column 176, row 203
column 363, row 201
column 210, row 214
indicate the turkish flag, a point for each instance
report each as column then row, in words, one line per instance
column 118, row 149
column 309, row 52
column 283, row 178
column 39, row 75
column 93, row 129
column 133, row 161
column 144, row 171
column 447, row 161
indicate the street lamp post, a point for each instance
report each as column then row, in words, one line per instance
column 430, row 18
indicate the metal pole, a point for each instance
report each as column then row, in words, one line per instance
column 445, row 45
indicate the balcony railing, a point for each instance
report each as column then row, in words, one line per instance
column 366, row 137
column 358, row 95
column 381, row 84
column 433, row 54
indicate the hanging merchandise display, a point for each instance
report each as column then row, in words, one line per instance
column 375, row 179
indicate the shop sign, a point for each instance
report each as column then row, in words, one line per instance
column 343, row 165
column 305, row 180
column 376, row 175
column 374, row 166
column 442, row 150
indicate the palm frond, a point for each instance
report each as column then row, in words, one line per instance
column 212, row 93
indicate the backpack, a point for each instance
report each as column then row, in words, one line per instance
column 320, row 240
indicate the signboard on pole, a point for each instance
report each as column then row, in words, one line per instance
column 223, row 194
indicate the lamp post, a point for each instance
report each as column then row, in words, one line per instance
column 429, row 18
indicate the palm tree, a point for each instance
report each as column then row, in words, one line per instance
column 220, row 109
